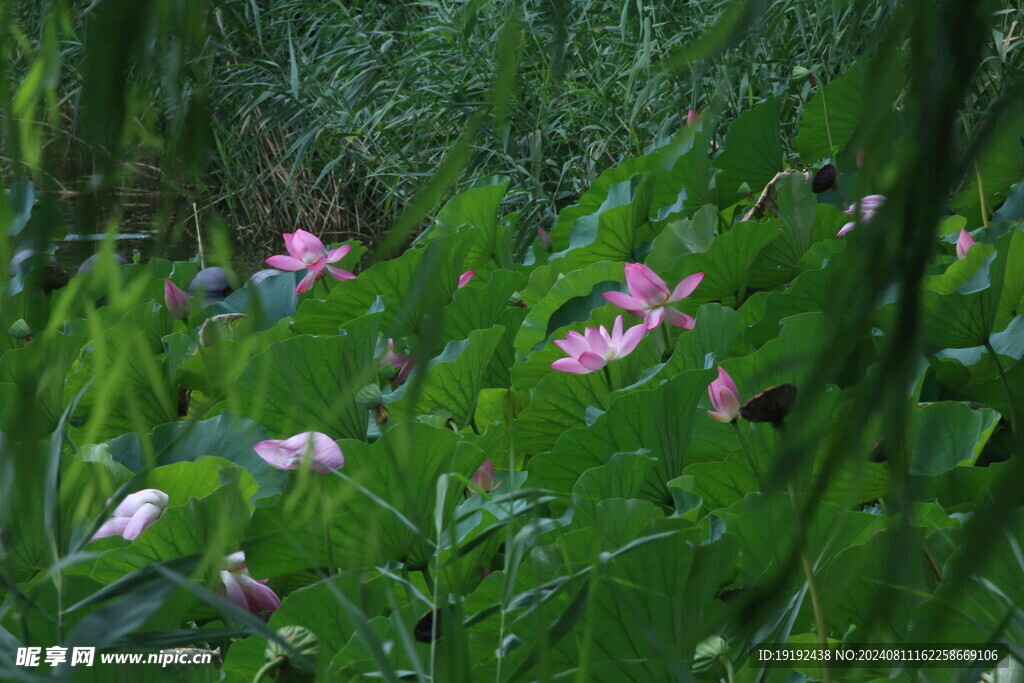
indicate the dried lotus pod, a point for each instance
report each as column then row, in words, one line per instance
column 824, row 179
column 771, row 405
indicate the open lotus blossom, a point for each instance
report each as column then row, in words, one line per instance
column 134, row 515
column 465, row 278
column 306, row 251
column 401, row 362
column 724, row 397
column 649, row 297
column 289, row 454
column 868, row 207
column 177, row 301
column 595, row 348
column 484, row 478
column 963, row 243
column 243, row 590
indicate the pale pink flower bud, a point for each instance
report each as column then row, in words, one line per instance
column 177, row 301
column 724, row 397
column 289, row 454
column 134, row 515
column 964, row 243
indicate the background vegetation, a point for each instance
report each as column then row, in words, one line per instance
column 331, row 115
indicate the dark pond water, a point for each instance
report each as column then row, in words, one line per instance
column 74, row 249
column 246, row 257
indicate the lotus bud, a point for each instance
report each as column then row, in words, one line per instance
column 544, row 237
column 963, row 244
column 369, row 397
column 20, row 330
column 177, row 301
column 484, row 478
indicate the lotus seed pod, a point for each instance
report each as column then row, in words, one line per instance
column 369, row 397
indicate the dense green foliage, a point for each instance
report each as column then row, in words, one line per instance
column 331, row 116
column 629, row 535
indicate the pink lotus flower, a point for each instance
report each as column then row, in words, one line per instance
column 307, row 251
column 465, row 278
column 243, row 590
column 595, row 348
column 134, row 515
column 484, row 478
column 963, row 243
column 692, row 117
column 289, row 454
column 177, row 301
column 649, row 297
column 724, row 397
column 865, row 208
column 402, row 362
column 544, row 237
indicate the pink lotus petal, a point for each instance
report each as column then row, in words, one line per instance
column 277, row 455
column 574, row 344
column 846, row 228
column 141, row 520
column 282, row 262
column 597, row 340
column 234, row 562
column 679, row 319
column 686, row 286
column 259, row 596
column 340, row 274
column 720, row 417
column 327, row 456
column 630, row 339
column 306, row 283
column 318, row 265
column 653, row 319
column 133, row 502
column 307, row 247
column 570, row 365
column 114, row 526
column 692, row 117
column 592, row 361
column 616, row 336
column 335, row 255
column 644, row 284
column 465, row 278
column 406, row 370
column 233, row 590
column 626, row 301
column 288, row 238
column 725, row 381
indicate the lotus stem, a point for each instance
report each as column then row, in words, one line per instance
column 746, row 451
column 1014, row 416
column 812, row 584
